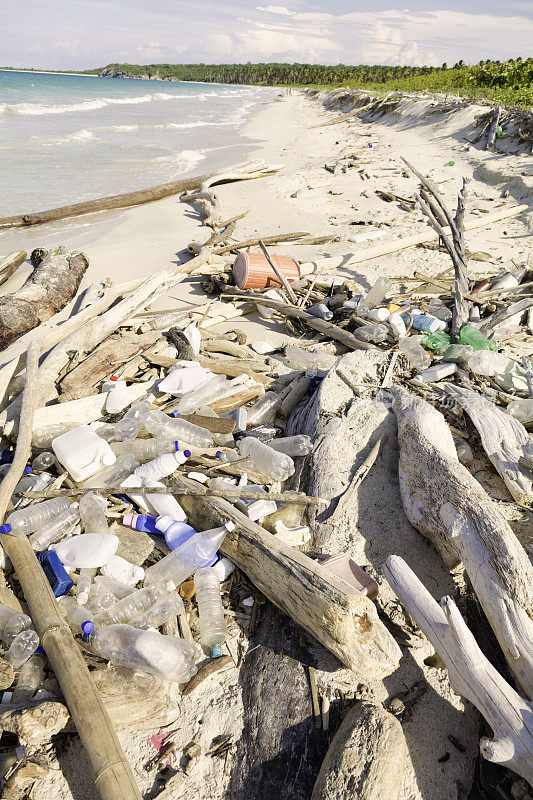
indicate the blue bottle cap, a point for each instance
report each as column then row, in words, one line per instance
column 187, row 453
column 27, row 470
column 39, row 651
column 176, row 446
column 5, row 528
column 216, row 651
column 6, row 456
column 218, row 454
column 87, row 628
column 174, row 413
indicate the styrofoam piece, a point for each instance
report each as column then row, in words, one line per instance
column 295, row 537
column 91, row 550
column 263, row 347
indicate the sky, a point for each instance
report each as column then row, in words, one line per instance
column 83, row 34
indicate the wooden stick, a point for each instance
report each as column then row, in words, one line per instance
column 475, row 298
column 357, row 480
column 491, row 136
column 201, row 491
column 11, row 263
column 279, row 275
column 279, row 237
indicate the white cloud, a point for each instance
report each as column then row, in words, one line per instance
column 276, row 10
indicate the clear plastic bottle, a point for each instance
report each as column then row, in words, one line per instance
column 378, row 292
column 299, row 445
column 83, row 586
column 214, row 389
column 472, row 336
column 182, row 562
column 43, row 462
column 28, row 520
column 30, row 677
column 213, row 631
column 161, row 425
column 460, row 353
column 21, row 648
column 162, row 610
column 522, row 410
column 75, row 614
column 134, row 605
column 137, row 412
column 489, row 363
column 103, row 583
column 35, row 483
column 113, row 475
column 99, row 603
column 309, row 360
column 268, row 461
column 93, row 513
column 121, row 431
column 145, row 449
column 55, row 529
column 375, row 333
column 414, row 352
column 43, row 437
column 12, row 623
column 264, row 410
column 165, row 657
column 162, row 466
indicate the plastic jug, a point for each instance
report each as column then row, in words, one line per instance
column 87, row 550
column 82, row 452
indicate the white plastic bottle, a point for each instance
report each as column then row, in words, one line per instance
column 28, row 520
column 160, row 424
column 54, row 530
column 162, row 466
column 30, row 677
column 182, row 562
column 82, row 452
column 163, row 504
column 397, row 325
column 436, row 372
column 165, row 657
column 113, row 475
column 134, row 605
column 299, row 445
column 268, row 461
column 93, row 513
column 213, row 631
column 117, row 398
column 194, row 337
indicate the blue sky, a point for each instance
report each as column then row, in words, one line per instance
column 72, row 34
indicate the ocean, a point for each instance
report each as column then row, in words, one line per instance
column 69, row 138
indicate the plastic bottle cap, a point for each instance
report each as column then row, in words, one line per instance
column 128, row 519
column 177, row 445
column 216, row 651
column 82, row 598
column 174, row 413
column 218, row 454
column 5, row 528
column 187, row 453
column 87, row 627
column 39, row 651
column 27, row 470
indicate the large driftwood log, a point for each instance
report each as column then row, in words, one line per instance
column 365, row 759
column 471, row 674
column 48, row 289
column 342, row 620
column 9, row 264
column 503, row 437
column 447, row 504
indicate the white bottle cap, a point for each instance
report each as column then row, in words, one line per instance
column 223, row 569
column 163, row 523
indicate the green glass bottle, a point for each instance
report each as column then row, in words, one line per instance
column 472, row 336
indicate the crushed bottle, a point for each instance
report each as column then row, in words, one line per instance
column 54, row 530
column 161, row 425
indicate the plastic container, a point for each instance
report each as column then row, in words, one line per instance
column 183, row 380
column 422, row 322
column 28, row 520
column 472, row 336
column 213, row 631
column 162, row 611
column 43, row 437
column 133, row 605
column 163, row 504
column 83, row 586
column 160, row 424
column 82, row 452
column 92, row 513
column 309, row 360
column 377, row 314
column 264, row 410
column 182, row 562
column 162, row 466
column 436, row 372
column 165, row 657
column 460, row 353
column 30, row 677
column 268, row 461
column 375, row 333
column 397, row 325
column 118, row 398
column 265, row 311
column 12, row 623
column 43, row 462
column 114, row 475
column 88, row 550
column 346, row 568
column 299, row 445
column 57, row 577
column 123, row 571
column 522, row 410
column 489, row 363
column 54, row 530
column 252, row 270
column 436, row 341
column 417, row 357
column 22, row 648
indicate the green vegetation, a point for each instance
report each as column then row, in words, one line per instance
column 509, row 82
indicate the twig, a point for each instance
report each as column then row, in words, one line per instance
column 314, row 698
column 185, row 492
column 357, row 480
column 279, row 275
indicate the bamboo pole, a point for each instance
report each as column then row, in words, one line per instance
column 280, row 497
column 113, row 775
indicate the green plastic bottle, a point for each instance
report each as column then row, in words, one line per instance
column 436, row 341
column 472, row 336
column 460, row 353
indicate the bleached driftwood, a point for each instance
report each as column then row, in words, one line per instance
column 491, row 135
column 503, row 437
column 366, row 758
column 47, row 290
column 10, row 263
column 471, row 674
column 35, row 723
column 447, row 504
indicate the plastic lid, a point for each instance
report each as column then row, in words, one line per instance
column 174, row 413
column 39, row 651
column 108, row 459
column 27, row 470
column 177, row 445
column 218, row 454
column 187, row 453
column 5, row 528
column 216, row 651
column 87, row 627
column 127, row 520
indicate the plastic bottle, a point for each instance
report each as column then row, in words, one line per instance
column 489, row 363
column 464, row 451
column 472, row 336
column 161, row 504
column 137, row 412
column 162, row 466
column 43, row 462
column 55, row 529
column 28, row 520
column 375, row 333
column 92, row 513
column 12, row 623
column 145, row 449
column 162, row 610
column 213, row 631
column 165, row 657
column 123, row 571
column 181, row 563
column 460, row 353
column 113, row 475
column 118, row 397
column 510, row 280
column 214, row 389
column 177, row 533
column 436, row 372
column 103, row 583
column 99, row 602
column 32, row 483
column 436, row 341
column 83, row 587
column 320, row 310
column 397, row 325
column 437, row 309
column 73, row 612
column 414, row 352
column 378, row 292
column 82, row 452
column 160, row 424
column 121, row 431
column 43, row 437
column 21, row 648
column 300, row 445
column 268, row 461
column 194, row 337
column 134, row 604
column 522, row 410
column 422, row 322
column 310, row 360
column 30, row 677
column 376, row 314
column 264, row 410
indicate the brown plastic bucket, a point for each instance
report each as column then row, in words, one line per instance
column 252, row 270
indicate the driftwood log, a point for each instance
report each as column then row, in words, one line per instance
column 19, row 783
column 495, row 119
column 35, row 723
column 9, row 264
column 48, row 289
column 471, row 674
column 366, row 758
column 448, row 506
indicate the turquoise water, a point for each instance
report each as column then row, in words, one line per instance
column 68, row 138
